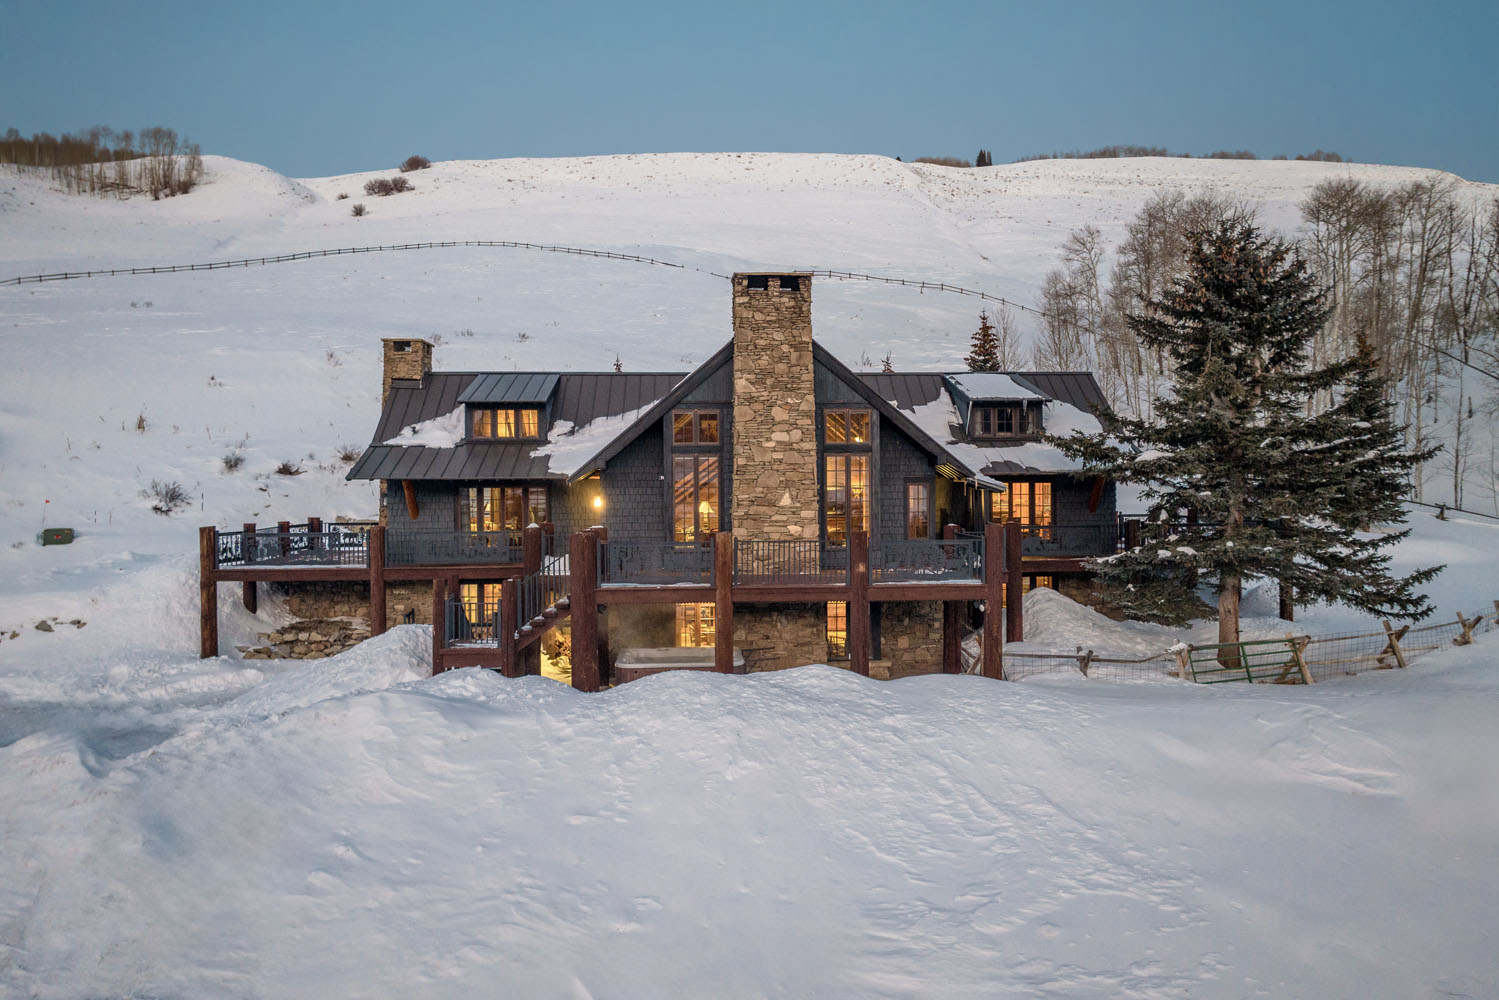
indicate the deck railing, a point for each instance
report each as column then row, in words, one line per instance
column 655, row 563
column 921, row 560
column 788, row 561
column 541, row 590
column 443, row 548
column 1063, row 540
column 334, row 546
column 461, row 627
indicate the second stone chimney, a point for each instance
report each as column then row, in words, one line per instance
column 775, row 409
column 404, row 359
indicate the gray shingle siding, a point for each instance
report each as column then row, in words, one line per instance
column 899, row 460
column 437, row 507
column 635, row 491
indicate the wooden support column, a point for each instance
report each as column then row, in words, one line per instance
column 247, row 589
column 723, row 599
column 952, row 622
column 532, row 543
column 1132, row 533
column 994, row 579
column 583, row 568
column 858, row 602
column 412, row 510
column 1015, row 606
column 438, row 621
column 314, row 529
column 510, row 665
column 600, row 535
column 208, row 593
column 375, row 549
column 283, row 528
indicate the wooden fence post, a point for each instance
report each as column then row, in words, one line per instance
column 1184, row 664
column 208, row 593
column 1298, row 647
column 1015, row 602
column 994, row 582
column 723, row 600
column 1466, row 639
column 1394, row 644
column 1084, row 660
column 248, row 593
column 375, row 556
column 582, row 566
column 858, row 602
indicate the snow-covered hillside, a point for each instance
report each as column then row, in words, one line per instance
column 176, row 827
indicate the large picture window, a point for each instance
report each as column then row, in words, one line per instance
column 1026, row 502
column 504, row 508
column 845, row 490
column 695, row 500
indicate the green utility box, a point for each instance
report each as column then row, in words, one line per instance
column 55, row 536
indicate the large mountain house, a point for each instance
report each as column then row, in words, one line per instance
column 771, row 508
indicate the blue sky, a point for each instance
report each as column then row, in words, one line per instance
column 319, row 88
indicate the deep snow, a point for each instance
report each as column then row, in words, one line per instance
column 352, row 827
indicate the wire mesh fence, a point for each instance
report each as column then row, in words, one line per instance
column 1324, row 657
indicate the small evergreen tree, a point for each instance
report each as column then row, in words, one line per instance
column 984, row 159
column 1279, row 493
column 886, row 365
column 985, row 345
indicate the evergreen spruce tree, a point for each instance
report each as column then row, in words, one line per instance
column 985, row 345
column 1278, row 493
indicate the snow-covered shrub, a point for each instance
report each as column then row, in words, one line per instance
column 166, row 496
column 415, row 163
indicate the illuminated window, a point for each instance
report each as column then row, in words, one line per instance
column 480, row 602
column 1006, row 420
column 506, row 422
column 1026, row 502
column 837, row 630
column 695, row 624
column 695, row 505
column 918, row 510
column 845, row 495
column 694, row 427
column 1028, row 583
column 845, row 427
column 504, row 508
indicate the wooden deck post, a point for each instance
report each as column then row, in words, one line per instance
column 583, row 569
column 208, row 593
column 1015, row 605
column 247, row 589
column 723, row 599
column 439, row 592
column 1132, row 533
column 375, row 555
column 530, row 549
column 952, row 622
column 994, row 579
column 600, row 536
column 284, row 529
column 510, row 665
column 858, row 602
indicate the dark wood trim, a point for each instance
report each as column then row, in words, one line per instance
column 952, row 637
column 320, row 574
column 1094, row 498
column 723, row 600
column 1014, row 566
column 376, row 550
column 994, row 577
column 1053, row 565
column 582, row 562
column 208, row 594
column 858, row 602
column 437, row 627
column 509, row 622
column 413, row 510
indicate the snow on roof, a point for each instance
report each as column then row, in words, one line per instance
column 991, row 385
column 446, row 431
column 567, row 447
column 939, row 419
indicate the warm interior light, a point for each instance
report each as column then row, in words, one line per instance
column 705, row 509
column 598, row 502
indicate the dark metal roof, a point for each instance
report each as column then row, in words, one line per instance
column 579, row 399
column 907, row 390
column 1077, row 389
column 510, row 387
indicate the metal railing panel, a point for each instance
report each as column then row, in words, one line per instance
column 443, row 548
column 655, row 563
column 927, row 560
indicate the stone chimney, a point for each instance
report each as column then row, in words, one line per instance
column 775, row 410
column 404, row 359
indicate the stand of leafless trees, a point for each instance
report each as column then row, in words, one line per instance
column 1413, row 270
column 101, row 161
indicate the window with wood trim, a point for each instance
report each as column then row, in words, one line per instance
column 1028, row 583
column 845, row 493
column 503, row 508
column 837, row 630
column 918, row 509
column 695, row 624
column 1027, row 502
column 694, row 427
column 990, row 420
column 695, row 497
column 849, row 427
column 506, row 422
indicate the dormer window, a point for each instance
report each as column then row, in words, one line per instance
column 1000, row 420
column 506, row 422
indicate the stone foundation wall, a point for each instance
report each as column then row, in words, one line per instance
column 910, row 639
column 776, row 636
column 309, row 640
